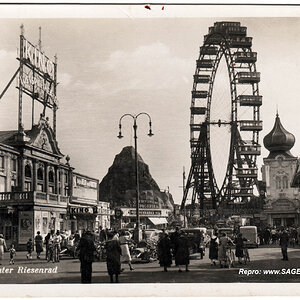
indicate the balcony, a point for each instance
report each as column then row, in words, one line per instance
column 33, row 198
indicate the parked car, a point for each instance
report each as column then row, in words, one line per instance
column 250, row 233
column 196, row 239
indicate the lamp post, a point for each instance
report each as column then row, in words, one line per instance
column 134, row 117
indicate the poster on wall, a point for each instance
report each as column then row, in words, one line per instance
column 25, row 226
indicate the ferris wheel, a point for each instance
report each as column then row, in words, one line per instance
column 224, row 120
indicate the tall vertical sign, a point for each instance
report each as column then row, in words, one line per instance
column 37, row 78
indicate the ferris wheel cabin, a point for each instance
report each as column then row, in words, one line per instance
column 205, row 63
column 199, row 94
column 246, row 173
column 208, row 50
column 249, row 149
column 245, row 57
column 241, row 42
column 249, row 100
column 248, row 77
column 250, row 125
column 201, row 78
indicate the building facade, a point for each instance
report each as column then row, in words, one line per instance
column 41, row 192
column 282, row 205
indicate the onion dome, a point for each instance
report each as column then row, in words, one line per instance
column 279, row 140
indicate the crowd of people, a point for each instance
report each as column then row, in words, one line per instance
column 173, row 245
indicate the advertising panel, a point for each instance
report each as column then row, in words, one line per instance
column 37, row 76
column 25, row 226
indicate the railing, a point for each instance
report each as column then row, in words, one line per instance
column 34, row 197
column 11, row 196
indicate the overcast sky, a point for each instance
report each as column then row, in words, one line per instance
column 111, row 66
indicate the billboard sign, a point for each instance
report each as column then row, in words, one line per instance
column 37, row 76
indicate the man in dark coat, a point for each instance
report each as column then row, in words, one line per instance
column 284, row 241
column 102, row 235
column 182, row 252
column 164, row 251
column 86, row 256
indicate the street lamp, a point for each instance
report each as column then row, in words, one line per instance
column 137, row 227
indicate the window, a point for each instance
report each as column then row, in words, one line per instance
column 278, row 183
column 2, row 184
column 27, row 187
column 13, row 165
column 39, row 187
column 13, row 185
column 66, row 177
column 66, row 191
column 51, row 189
column 2, row 162
column 28, row 171
column 40, row 174
column 51, row 176
column 285, row 182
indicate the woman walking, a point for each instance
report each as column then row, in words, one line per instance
column 2, row 248
column 124, row 243
column 225, row 241
column 113, row 255
column 213, row 249
column 164, row 251
column 182, row 253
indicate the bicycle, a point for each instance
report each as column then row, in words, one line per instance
column 246, row 256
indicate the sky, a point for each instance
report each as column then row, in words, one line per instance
column 110, row 65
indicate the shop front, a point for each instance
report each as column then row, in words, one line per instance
column 81, row 217
column 283, row 212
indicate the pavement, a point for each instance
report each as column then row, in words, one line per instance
column 265, row 259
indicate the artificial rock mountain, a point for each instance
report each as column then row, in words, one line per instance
column 118, row 186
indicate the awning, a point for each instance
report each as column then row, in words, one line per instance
column 158, row 221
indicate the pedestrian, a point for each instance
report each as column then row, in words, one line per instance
column 225, row 241
column 86, row 256
column 113, row 256
column 283, row 242
column 164, row 251
column 213, row 249
column 29, row 247
column 47, row 238
column 182, row 253
column 267, row 235
column 2, row 248
column 12, row 253
column 239, row 244
column 57, row 245
column 102, row 235
column 38, row 240
column 124, row 243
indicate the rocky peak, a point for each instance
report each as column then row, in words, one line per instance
column 118, row 186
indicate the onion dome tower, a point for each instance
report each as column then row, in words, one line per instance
column 279, row 140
